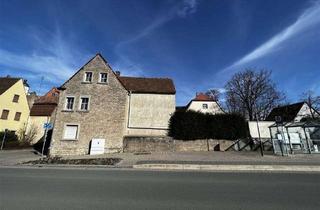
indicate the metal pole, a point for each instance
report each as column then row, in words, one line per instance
column 284, row 139
column 273, row 145
column 261, row 145
column 280, row 142
column 291, row 150
column 44, row 140
column 4, row 137
column 305, row 133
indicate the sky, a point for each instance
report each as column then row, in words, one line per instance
column 200, row 44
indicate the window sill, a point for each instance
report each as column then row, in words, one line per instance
column 67, row 110
column 85, row 111
column 86, row 82
column 102, row 83
column 69, row 139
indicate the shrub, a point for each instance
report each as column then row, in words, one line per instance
column 10, row 136
column 192, row 125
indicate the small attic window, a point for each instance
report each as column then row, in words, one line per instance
column 15, row 98
column 88, row 77
column 103, row 78
column 205, row 106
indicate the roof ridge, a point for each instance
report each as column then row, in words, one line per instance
column 145, row 77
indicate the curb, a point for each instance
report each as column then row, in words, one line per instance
column 197, row 167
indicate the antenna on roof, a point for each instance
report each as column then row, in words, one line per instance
column 41, row 81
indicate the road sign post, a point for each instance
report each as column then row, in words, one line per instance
column 4, row 138
column 46, row 126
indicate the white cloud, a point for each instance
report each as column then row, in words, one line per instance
column 180, row 10
column 51, row 56
column 310, row 17
column 188, row 7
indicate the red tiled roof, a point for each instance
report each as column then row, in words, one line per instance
column 42, row 109
column 6, row 83
column 202, row 97
column 51, row 97
column 45, row 105
column 148, row 85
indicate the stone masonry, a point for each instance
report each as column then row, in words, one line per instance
column 167, row 144
column 105, row 118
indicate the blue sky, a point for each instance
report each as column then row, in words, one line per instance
column 197, row 43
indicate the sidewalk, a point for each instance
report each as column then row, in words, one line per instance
column 14, row 157
column 210, row 158
column 208, row 161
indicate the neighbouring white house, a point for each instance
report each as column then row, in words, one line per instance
column 202, row 103
column 292, row 112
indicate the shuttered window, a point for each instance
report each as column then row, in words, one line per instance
column 71, row 132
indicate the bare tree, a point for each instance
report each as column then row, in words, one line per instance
column 214, row 94
column 252, row 94
column 313, row 102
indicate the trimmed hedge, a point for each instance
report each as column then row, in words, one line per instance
column 190, row 125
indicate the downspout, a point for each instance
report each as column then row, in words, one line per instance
column 129, row 108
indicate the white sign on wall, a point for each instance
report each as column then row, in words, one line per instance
column 263, row 128
column 97, row 146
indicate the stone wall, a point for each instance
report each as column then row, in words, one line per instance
column 105, row 119
column 167, row 144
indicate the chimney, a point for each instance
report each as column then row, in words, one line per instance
column 118, row 73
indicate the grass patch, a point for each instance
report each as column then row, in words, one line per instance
column 92, row 161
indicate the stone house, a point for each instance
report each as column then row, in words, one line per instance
column 203, row 103
column 41, row 112
column 98, row 103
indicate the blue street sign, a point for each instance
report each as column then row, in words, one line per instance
column 47, row 126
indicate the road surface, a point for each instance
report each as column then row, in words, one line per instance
column 128, row 189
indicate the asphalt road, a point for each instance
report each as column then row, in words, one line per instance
column 127, row 189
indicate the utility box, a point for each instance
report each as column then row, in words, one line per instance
column 97, row 146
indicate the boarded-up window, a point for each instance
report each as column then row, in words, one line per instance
column 71, row 132
column 17, row 116
column 15, row 98
column 4, row 114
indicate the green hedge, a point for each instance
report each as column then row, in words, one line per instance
column 192, row 125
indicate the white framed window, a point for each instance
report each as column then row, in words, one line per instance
column 88, row 76
column 205, row 106
column 84, row 103
column 71, row 131
column 103, row 78
column 69, row 103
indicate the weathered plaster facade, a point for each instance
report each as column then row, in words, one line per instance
column 106, row 115
column 149, row 114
